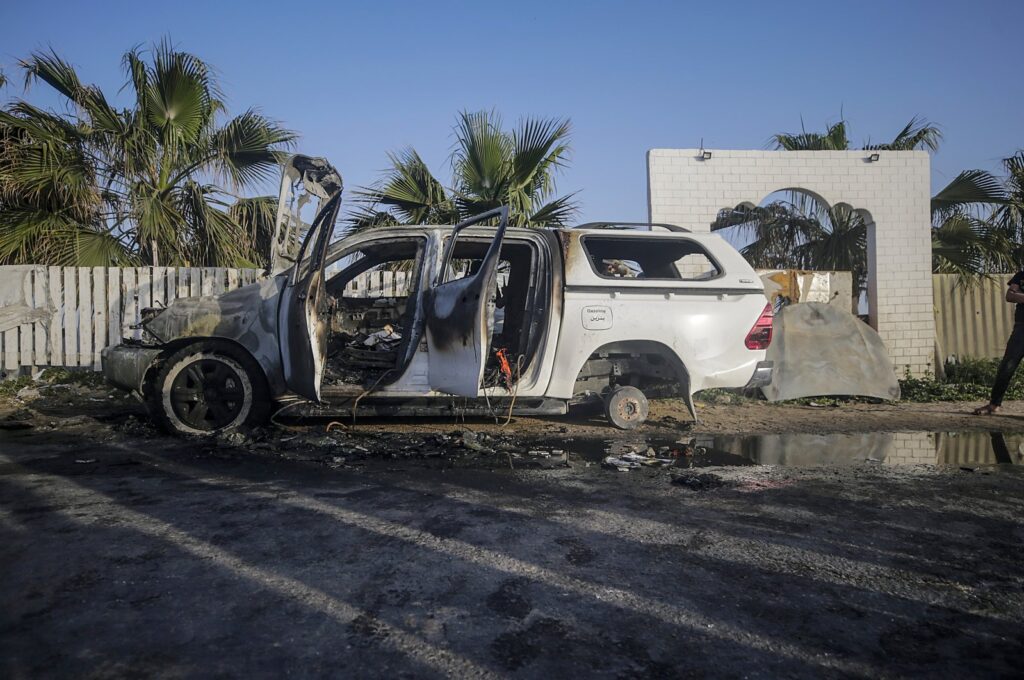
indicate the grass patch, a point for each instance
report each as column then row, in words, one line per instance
column 52, row 376
column 64, row 376
column 8, row 388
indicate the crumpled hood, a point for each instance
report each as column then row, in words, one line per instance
column 232, row 315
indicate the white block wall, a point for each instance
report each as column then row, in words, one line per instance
column 893, row 193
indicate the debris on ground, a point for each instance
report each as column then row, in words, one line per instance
column 28, row 393
column 698, row 481
column 470, row 440
column 633, row 459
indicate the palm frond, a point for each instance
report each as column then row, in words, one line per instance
column 967, row 246
column 256, row 217
column 833, row 139
column 970, row 187
column 917, row 134
column 178, row 96
column 411, row 190
column 245, row 149
column 538, row 145
column 1008, row 218
column 365, row 217
column 481, row 161
column 555, row 214
column 52, row 70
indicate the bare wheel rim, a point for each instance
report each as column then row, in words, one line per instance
column 626, row 407
column 207, row 394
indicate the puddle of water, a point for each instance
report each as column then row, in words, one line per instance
column 962, row 449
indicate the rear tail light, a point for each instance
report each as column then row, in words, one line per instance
column 760, row 336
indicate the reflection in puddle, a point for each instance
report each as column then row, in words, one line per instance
column 964, row 449
column 893, row 448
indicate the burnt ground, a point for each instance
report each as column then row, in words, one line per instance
column 404, row 549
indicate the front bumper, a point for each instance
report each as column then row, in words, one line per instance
column 125, row 366
column 762, row 375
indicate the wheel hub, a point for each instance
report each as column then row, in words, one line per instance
column 207, row 394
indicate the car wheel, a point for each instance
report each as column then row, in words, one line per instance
column 626, row 407
column 207, row 388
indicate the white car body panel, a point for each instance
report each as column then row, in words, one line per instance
column 703, row 322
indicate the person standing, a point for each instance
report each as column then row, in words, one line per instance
column 1014, row 349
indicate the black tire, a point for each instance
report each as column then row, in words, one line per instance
column 207, row 388
column 626, row 407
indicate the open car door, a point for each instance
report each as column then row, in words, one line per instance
column 303, row 315
column 460, row 315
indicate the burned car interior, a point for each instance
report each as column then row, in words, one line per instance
column 519, row 300
column 374, row 292
column 372, row 326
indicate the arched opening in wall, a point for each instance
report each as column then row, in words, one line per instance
column 795, row 228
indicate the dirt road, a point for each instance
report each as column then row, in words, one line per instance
column 127, row 553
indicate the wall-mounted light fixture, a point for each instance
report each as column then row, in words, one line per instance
column 873, row 158
column 705, row 155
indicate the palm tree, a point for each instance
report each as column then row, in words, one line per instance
column 99, row 185
column 1008, row 218
column 490, row 167
column 965, row 241
column 786, row 237
column 917, row 134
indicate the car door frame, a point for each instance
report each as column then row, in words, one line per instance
column 302, row 316
column 459, row 315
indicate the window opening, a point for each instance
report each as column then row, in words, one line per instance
column 669, row 259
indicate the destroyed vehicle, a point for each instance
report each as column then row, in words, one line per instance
column 479, row 319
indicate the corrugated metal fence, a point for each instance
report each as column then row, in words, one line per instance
column 972, row 321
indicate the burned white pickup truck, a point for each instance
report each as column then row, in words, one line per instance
column 488, row 320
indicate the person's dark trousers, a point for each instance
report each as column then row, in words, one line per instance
column 1008, row 366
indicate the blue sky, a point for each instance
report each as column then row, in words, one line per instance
column 359, row 79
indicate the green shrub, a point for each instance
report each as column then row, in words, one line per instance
column 65, row 376
column 8, row 388
column 966, row 380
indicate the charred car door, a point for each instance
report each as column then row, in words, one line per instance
column 304, row 312
column 460, row 315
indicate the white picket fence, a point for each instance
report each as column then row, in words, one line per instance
column 64, row 316
column 380, row 284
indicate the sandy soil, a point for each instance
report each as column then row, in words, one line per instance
column 668, row 417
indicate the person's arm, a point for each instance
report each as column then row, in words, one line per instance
column 1014, row 294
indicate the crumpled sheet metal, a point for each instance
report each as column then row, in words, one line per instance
column 821, row 350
